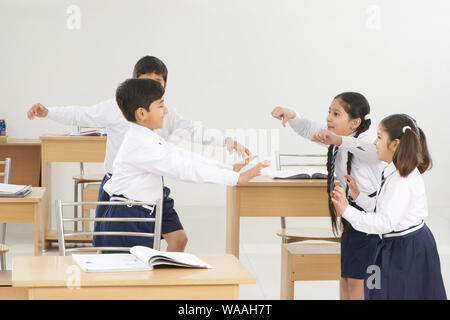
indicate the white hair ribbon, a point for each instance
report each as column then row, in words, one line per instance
column 405, row 128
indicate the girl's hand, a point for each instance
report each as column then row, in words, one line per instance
column 327, row 137
column 253, row 172
column 238, row 166
column 351, row 182
column 283, row 114
column 233, row 145
column 340, row 200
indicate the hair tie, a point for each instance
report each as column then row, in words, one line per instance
column 405, row 128
column 367, row 117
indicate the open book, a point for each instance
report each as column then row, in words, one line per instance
column 89, row 133
column 305, row 173
column 13, row 190
column 140, row 258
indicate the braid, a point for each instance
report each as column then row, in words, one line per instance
column 363, row 127
column 331, row 207
column 357, row 107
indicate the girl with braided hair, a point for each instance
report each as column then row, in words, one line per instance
column 351, row 154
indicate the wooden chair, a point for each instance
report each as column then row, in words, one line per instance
column 308, row 262
column 3, row 248
column 62, row 234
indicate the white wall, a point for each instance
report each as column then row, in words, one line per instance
column 230, row 63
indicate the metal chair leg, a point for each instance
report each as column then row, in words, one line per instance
column 3, row 232
column 2, row 262
column 75, row 208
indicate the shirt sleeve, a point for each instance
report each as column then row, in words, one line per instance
column 170, row 162
column 305, row 127
column 389, row 213
column 99, row 115
column 361, row 147
column 199, row 158
column 195, row 131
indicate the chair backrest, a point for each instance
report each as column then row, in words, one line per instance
column 62, row 234
column 5, row 173
column 300, row 160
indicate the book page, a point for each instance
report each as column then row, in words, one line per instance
column 155, row 257
column 112, row 262
column 305, row 173
column 13, row 188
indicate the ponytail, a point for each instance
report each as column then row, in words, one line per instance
column 412, row 151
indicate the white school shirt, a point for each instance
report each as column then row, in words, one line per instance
column 400, row 204
column 366, row 168
column 144, row 158
column 107, row 114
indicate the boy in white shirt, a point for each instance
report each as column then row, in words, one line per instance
column 144, row 158
column 107, row 114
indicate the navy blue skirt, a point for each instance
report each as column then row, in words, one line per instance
column 409, row 268
column 357, row 251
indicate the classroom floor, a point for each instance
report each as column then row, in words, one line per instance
column 260, row 248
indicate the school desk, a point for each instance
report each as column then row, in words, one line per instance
column 57, row 277
column 66, row 149
column 25, row 157
column 26, row 209
column 266, row 197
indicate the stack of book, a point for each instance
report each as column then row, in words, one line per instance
column 13, row 190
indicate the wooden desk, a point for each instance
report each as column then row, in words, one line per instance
column 47, row 277
column 66, row 149
column 25, row 157
column 26, row 210
column 266, row 197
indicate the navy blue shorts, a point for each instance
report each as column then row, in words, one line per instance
column 170, row 223
column 357, row 252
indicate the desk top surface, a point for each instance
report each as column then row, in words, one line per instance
column 36, row 195
column 21, row 142
column 265, row 181
column 58, row 271
column 71, row 138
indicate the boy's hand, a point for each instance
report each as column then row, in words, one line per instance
column 327, row 137
column 283, row 114
column 239, row 148
column 340, row 200
column 351, row 182
column 238, row 166
column 37, row 110
column 253, row 172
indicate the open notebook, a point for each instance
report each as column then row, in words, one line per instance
column 14, row 190
column 140, row 258
column 304, row 173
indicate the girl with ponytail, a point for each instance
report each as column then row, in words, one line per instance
column 406, row 255
column 350, row 154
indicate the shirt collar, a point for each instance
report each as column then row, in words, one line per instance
column 390, row 169
column 142, row 130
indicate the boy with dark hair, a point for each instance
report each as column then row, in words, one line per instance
column 144, row 158
column 108, row 115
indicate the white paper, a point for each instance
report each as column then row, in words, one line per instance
column 113, row 262
column 13, row 188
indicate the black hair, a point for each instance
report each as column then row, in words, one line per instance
column 412, row 152
column 149, row 64
column 356, row 106
column 133, row 94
